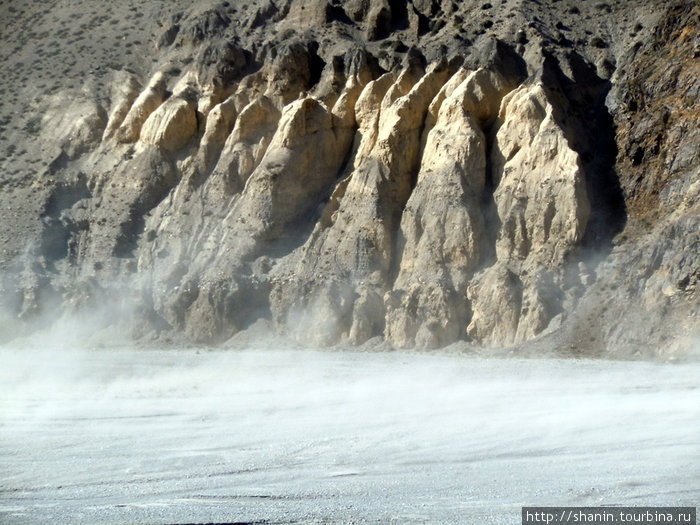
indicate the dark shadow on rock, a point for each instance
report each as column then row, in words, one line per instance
column 264, row 14
column 492, row 222
column 222, row 63
column 590, row 131
column 316, row 64
column 399, row 14
column 336, row 13
column 158, row 176
column 58, row 226
column 206, row 26
column 500, row 57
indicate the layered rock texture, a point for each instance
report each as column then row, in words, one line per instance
column 522, row 174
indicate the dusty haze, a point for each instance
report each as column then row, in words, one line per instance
column 285, row 436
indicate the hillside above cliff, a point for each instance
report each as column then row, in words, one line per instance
column 513, row 173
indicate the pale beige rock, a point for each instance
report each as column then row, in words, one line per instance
column 171, row 126
column 145, row 104
column 541, row 302
column 442, row 225
column 424, row 314
column 220, row 122
column 367, row 316
column 86, row 130
column 201, row 323
column 300, row 164
column 509, row 309
column 177, row 228
column 415, row 152
column 211, row 95
column 71, row 123
column 354, row 239
column 323, row 319
column 248, row 89
column 125, row 89
column 543, row 210
column 382, row 182
column 496, row 300
column 186, row 83
column 297, row 170
column 246, row 145
column 484, row 91
column 367, row 112
column 541, row 195
column 401, row 119
column 344, row 108
column 407, row 78
column 445, row 91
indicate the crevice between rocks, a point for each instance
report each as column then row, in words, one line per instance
column 590, row 131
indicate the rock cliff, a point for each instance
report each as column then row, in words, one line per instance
column 523, row 174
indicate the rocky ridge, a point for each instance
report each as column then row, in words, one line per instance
column 420, row 172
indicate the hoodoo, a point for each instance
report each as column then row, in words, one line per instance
column 520, row 174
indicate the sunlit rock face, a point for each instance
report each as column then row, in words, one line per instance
column 442, row 234
column 375, row 177
column 543, row 209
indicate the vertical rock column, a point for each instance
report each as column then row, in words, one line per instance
column 543, row 210
column 334, row 289
column 441, row 236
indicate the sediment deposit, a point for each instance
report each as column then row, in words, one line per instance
column 418, row 172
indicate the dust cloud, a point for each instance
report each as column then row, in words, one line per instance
column 295, row 436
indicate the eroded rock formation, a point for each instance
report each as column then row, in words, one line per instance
column 425, row 197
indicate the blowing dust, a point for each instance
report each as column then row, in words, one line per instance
column 293, row 436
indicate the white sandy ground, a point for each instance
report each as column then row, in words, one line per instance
column 272, row 436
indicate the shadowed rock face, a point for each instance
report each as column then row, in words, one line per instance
column 371, row 169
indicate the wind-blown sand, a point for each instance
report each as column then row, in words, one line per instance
column 123, row 436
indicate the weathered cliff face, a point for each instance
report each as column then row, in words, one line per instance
column 345, row 187
column 543, row 209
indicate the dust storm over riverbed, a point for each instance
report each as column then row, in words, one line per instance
column 273, row 436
